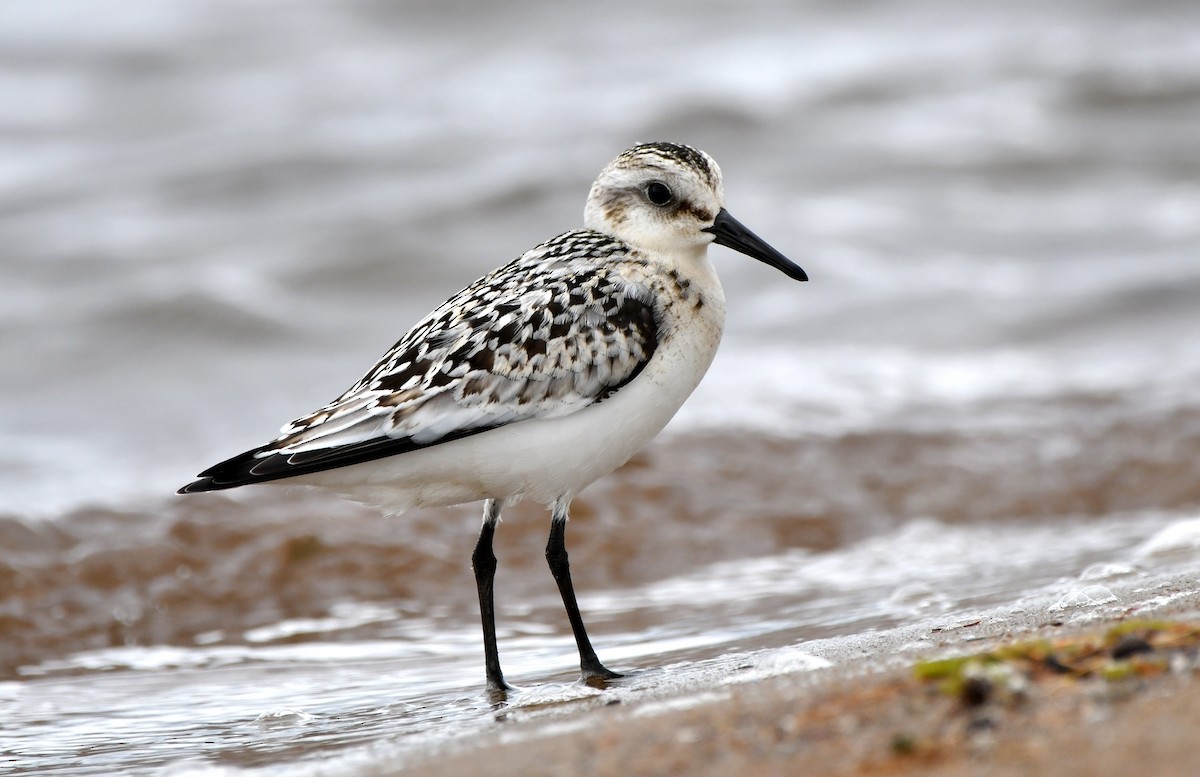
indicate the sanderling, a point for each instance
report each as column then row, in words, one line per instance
column 538, row 378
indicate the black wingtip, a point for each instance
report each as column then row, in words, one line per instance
column 200, row 486
column 231, row 473
column 265, row 464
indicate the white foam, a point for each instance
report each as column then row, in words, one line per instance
column 1085, row 597
column 1108, row 570
column 1178, row 542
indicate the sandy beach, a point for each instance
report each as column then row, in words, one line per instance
column 1112, row 698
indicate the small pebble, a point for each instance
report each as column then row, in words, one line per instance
column 1131, row 645
column 976, row 690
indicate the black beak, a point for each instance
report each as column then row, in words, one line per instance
column 729, row 232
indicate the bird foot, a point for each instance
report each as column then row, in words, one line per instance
column 597, row 676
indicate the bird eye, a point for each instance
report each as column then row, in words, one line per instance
column 658, row 193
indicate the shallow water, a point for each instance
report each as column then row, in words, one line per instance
column 215, row 216
column 367, row 682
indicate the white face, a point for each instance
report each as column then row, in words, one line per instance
column 658, row 197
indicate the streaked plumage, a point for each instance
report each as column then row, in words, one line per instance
column 554, row 331
column 541, row 376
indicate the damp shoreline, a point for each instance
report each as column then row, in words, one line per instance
column 1112, row 716
column 187, row 567
column 283, row 631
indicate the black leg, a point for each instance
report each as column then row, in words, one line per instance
column 594, row 673
column 483, row 561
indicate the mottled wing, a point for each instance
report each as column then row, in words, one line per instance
column 553, row 332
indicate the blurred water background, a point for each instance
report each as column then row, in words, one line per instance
column 215, row 215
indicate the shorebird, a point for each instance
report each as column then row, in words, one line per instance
column 538, row 378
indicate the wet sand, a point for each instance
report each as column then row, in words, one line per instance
column 1112, row 698
column 285, row 632
column 100, row 578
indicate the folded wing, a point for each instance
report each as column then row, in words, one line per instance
column 541, row 337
